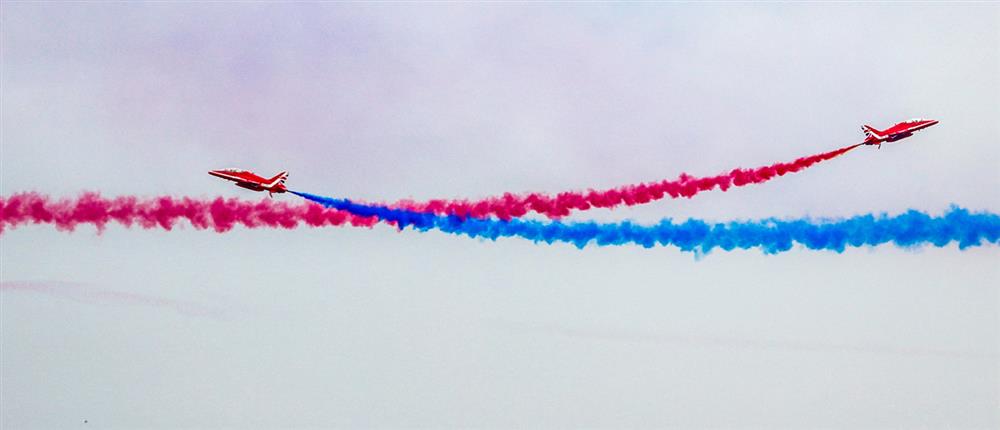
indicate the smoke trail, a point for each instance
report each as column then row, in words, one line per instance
column 910, row 229
column 85, row 293
column 221, row 215
column 512, row 206
column 164, row 212
column 727, row 342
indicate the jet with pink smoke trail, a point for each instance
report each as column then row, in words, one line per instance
column 556, row 206
column 222, row 214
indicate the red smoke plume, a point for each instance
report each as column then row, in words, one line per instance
column 223, row 214
column 511, row 206
column 218, row 214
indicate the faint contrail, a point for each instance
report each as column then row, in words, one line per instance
column 910, row 229
column 729, row 342
column 90, row 294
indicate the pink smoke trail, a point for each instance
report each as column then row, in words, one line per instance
column 223, row 214
column 511, row 206
column 164, row 212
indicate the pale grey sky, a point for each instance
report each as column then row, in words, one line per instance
column 346, row 327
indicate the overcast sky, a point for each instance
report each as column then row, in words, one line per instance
column 351, row 327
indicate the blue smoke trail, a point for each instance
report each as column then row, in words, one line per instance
column 910, row 229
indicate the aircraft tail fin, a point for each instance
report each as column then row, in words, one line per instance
column 872, row 131
column 277, row 179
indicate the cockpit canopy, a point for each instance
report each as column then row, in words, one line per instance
column 916, row 120
column 234, row 170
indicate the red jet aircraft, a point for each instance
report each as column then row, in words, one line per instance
column 250, row 181
column 899, row 131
